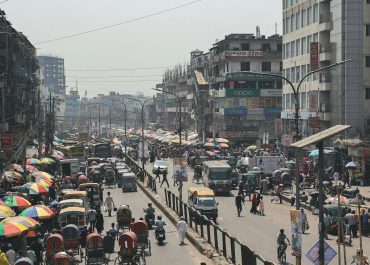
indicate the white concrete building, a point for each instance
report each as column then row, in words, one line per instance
column 317, row 33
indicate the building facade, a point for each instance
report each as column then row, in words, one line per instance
column 317, row 34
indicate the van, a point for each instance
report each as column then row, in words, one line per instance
column 217, row 175
column 203, row 200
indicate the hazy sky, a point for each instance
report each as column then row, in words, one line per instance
column 158, row 41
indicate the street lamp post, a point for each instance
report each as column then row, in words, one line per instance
column 180, row 130
column 296, row 126
column 142, row 126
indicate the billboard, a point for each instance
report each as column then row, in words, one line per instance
column 296, row 233
column 180, row 169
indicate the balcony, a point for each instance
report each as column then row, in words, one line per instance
column 325, row 51
column 324, row 23
column 324, row 116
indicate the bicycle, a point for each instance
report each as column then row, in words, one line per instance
column 281, row 253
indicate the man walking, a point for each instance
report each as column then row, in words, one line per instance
column 157, row 174
column 91, row 217
column 165, row 179
column 182, row 227
column 239, row 200
column 109, row 203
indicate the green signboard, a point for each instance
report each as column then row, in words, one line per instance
column 250, row 92
column 248, row 76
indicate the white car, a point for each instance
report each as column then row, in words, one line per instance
column 162, row 164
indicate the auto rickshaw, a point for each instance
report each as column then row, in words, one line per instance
column 120, row 172
column 124, row 216
column 251, row 178
column 110, row 177
column 71, row 236
column 93, row 193
column 72, row 216
column 332, row 210
column 62, row 258
column 128, row 182
column 94, row 250
column 54, row 244
column 128, row 244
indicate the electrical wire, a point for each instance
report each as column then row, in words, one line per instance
column 112, row 81
column 119, row 24
column 111, row 76
column 117, row 69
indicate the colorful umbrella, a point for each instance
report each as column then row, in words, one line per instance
column 47, row 161
column 334, row 200
column 31, row 169
column 11, row 229
column 26, row 221
column 35, row 188
column 43, row 182
column 209, row 145
column 16, row 201
column 222, row 140
column 33, row 161
column 38, row 212
column 43, row 175
column 223, row 145
column 209, row 153
column 17, row 168
column 6, row 211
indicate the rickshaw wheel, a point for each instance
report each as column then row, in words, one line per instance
column 149, row 248
column 118, row 258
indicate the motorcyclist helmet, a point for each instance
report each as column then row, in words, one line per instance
column 159, row 217
column 281, row 231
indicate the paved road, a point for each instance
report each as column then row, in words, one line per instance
column 259, row 232
column 171, row 252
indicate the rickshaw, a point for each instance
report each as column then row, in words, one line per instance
column 93, row 193
column 94, row 173
column 81, row 179
column 72, row 216
column 124, row 217
column 71, row 236
column 93, row 159
column 94, row 250
column 140, row 228
column 71, row 203
column 251, row 178
column 120, row 172
column 62, row 258
column 128, row 252
column 25, row 261
column 276, row 175
column 332, row 210
column 128, row 182
column 54, row 244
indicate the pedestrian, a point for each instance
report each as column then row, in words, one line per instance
column 336, row 177
column 109, row 203
column 101, row 192
column 182, row 227
column 303, row 221
column 113, row 232
column 158, row 171
column 83, row 235
column 261, row 207
column 241, row 189
column 10, row 254
column 165, row 179
column 365, row 223
column 31, row 253
column 175, row 182
column 278, row 190
column 327, row 224
column 91, row 217
column 346, row 179
column 99, row 222
column 239, row 200
column 360, row 258
column 254, row 204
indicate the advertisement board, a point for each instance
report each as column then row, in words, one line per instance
column 314, row 56
column 296, row 233
column 273, row 93
column 239, row 135
column 180, row 169
column 248, row 92
column 244, row 53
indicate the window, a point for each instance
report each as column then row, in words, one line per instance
column 298, row 47
column 303, row 18
column 266, row 47
column 292, row 21
column 292, row 45
column 303, row 45
column 367, row 30
column 367, row 93
column 298, row 20
column 281, row 66
column 245, row 66
column 309, row 40
column 245, row 47
column 266, row 66
column 315, row 13
column 315, row 37
column 279, row 47
column 367, row 61
column 309, row 16
column 287, row 50
column 288, row 28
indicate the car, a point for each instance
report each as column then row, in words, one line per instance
column 162, row 164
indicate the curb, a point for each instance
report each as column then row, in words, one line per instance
column 192, row 239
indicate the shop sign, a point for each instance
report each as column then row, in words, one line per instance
column 239, row 134
column 255, row 111
column 249, row 92
column 314, row 122
column 6, row 142
column 244, row 53
column 238, row 76
column 235, row 111
column 314, row 56
column 180, row 172
column 272, row 112
column 273, row 93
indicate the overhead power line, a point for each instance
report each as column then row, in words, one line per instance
column 119, row 24
column 117, row 69
column 111, row 76
column 113, row 81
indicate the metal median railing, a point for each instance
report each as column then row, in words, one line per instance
column 227, row 245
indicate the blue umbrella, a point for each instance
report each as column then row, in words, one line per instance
column 314, row 153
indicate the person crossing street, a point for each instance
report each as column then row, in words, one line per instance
column 165, row 179
column 239, row 201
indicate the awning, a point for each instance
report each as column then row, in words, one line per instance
column 200, row 78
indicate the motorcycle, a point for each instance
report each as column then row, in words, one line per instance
column 150, row 220
column 160, row 235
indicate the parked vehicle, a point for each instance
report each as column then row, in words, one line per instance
column 120, row 172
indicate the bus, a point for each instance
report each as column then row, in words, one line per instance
column 217, row 175
column 101, row 150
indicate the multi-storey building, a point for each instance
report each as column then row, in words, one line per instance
column 72, row 112
column 317, row 34
column 221, row 96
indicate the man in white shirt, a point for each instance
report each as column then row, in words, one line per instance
column 10, row 254
column 336, row 177
column 109, row 203
column 182, row 227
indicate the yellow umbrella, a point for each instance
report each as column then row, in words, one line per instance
column 6, row 211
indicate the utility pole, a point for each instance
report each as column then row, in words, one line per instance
column 99, row 123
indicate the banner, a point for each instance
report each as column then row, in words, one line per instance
column 296, row 233
column 180, row 172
